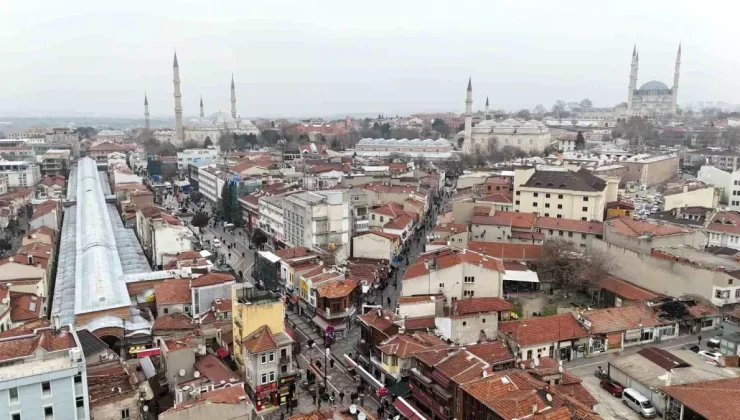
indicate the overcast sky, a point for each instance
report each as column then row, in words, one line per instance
column 312, row 58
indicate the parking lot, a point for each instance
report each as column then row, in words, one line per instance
column 609, row 407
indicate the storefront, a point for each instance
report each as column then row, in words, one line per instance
column 265, row 396
column 286, row 387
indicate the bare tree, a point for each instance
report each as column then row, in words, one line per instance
column 594, row 269
column 586, row 104
column 539, row 110
column 559, row 262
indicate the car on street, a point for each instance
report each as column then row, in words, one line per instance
column 612, row 387
column 216, row 243
column 713, row 343
column 712, row 355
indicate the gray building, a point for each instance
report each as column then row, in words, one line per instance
column 318, row 220
column 723, row 159
column 43, row 375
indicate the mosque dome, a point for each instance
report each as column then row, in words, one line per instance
column 221, row 118
column 654, row 85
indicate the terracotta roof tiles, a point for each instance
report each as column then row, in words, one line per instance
column 474, row 305
column 543, row 329
column 212, row 278
column 636, row 228
column 569, row 225
column 336, row 289
column 172, row 291
column 261, row 340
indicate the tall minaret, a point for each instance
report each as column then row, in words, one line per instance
column 147, row 125
column 633, row 77
column 180, row 133
column 233, row 98
column 485, row 113
column 675, row 78
column 468, row 140
column 202, row 114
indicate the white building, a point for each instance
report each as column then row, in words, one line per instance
column 196, row 157
column 456, row 276
column 20, row 173
column 563, row 194
column 723, row 229
column 44, row 375
column 318, row 220
column 113, row 136
column 169, row 237
column 726, row 182
column 210, row 182
column 271, row 217
column 380, row 148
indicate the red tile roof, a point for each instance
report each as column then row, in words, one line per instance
column 222, row 305
column 405, row 300
column 627, row 290
column 462, row 367
column 173, row 322
column 725, row 221
column 517, row 220
column 405, row 346
column 336, row 289
column 391, row 236
column 621, row 319
column 635, row 228
column 419, row 323
column 47, row 339
column 214, row 369
column 507, row 251
column 107, row 147
column 261, row 340
column 620, row 204
column 212, row 278
column 476, row 305
column 482, row 210
column 295, row 252
column 497, row 198
column 53, row 180
column 44, row 208
column 24, row 307
column 712, row 400
column 172, row 291
column 507, row 398
column 401, row 222
column 541, row 330
column 451, row 227
column 569, row 225
column 26, row 328
column 452, row 259
column 493, row 352
column 381, row 322
column 229, row 395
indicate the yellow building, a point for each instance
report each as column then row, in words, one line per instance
column 619, row 209
column 251, row 310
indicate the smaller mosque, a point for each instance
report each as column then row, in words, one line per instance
column 530, row 136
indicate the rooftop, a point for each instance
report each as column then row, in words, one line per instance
column 702, row 259
column 582, row 180
column 642, row 229
column 580, row 226
column 627, row 290
column 713, row 400
column 543, row 329
column 507, row 251
column 601, row 321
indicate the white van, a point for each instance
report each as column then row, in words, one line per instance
column 638, row 402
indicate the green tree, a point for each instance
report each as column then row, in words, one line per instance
column 269, row 137
column 335, row 145
column 259, row 238
column 580, row 141
column 227, row 204
column 524, row 114
column 440, row 126
column 200, row 219
column 226, row 142
column 208, row 142
column 196, row 196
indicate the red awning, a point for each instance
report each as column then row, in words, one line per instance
column 405, row 410
column 294, row 299
column 148, row 352
column 222, row 352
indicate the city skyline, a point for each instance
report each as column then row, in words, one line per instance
column 302, row 61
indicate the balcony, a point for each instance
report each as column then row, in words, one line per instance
column 285, row 359
column 423, row 399
column 327, row 313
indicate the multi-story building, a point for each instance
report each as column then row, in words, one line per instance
column 563, row 194
column 723, row 229
column 55, row 162
column 650, row 169
column 318, row 220
column 196, row 157
column 262, row 348
column 271, row 218
column 44, row 375
column 100, row 151
column 27, row 154
column 726, row 160
column 20, row 173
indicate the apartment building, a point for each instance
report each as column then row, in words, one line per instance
column 55, row 162
column 197, row 157
column 20, row 173
column 726, row 160
column 563, row 194
column 318, row 220
column 262, row 348
column 44, row 374
column 650, row 169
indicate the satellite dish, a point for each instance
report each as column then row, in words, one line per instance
column 181, row 372
column 361, row 416
column 549, row 397
column 353, row 409
column 196, row 374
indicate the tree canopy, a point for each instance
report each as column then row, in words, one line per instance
column 200, row 219
column 440, row 126
column 208, row 142
column 580, row 141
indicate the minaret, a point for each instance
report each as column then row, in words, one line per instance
column 485, row 113
column 202, row 114
column 467, row 142
column 633, row 77
column 233, row 98
column 675, row 79
column 179, row 132
column 147, row 125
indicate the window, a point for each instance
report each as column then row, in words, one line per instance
column 469, row 279
column 441, row 285
column 272, row 376
column 647, row 335
column 585, row 198
column 547, row 195
column 547, row 214
column 517, row 193
column 560, row 216
column 372, row 216
column 534, row 204
column 560, row 206
column 516, row 202
column 468, row 293
column 584, row 219
column 737, row 293
column 46, row 389
column 583, row 236
column 547, row 205
column 80, row 403
column 272, row 356
column 263, row 358
column 15, row 416
column 381, row 219
column 264, row 378
column 584, row 208
column 560, row 232
column 483, row 321
column 536, row 194
column 187, row 309
column 13, row 394
column 78, row 379
column 49, row 412
column 465, row 323
column 560, row 196
column 529, row 354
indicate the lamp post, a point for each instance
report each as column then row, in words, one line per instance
column 326, row 374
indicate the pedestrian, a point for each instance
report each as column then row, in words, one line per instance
column 388, row 299
column 699, row 339
column 313, row 395
column 341, row 397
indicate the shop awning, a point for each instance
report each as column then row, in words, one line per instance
column 222, row 352
column 369, row 378
column 407, row 410
column 399, row 389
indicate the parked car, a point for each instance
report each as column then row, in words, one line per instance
column 712, row 355
column 612, row 388
column 713, row 343
column 639, row 403
column 216, row 243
